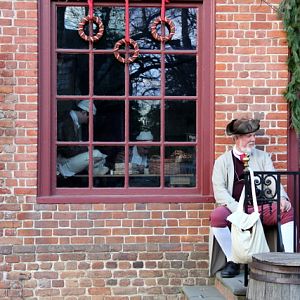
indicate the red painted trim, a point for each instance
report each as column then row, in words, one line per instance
column 44, row 153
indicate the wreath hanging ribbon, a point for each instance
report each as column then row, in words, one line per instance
column 163, row 20
column 94, row 19
column 127, row 41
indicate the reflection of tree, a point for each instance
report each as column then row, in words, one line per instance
column 144, row 115
column 145, row 76
column 145, row 72
column 180, row 119
column 180, row 75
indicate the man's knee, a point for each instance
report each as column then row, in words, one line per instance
column 218, row 217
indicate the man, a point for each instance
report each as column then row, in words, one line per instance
column 228, row 183
column 74, row 159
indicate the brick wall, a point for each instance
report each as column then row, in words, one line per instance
column 123, row 251
column 251, row 72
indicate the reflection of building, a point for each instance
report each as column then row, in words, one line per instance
column 105, row 235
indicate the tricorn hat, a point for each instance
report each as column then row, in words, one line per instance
column 242, row 126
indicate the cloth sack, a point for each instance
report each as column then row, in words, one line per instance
column 247, row 233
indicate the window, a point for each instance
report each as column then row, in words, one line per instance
column 114, row 131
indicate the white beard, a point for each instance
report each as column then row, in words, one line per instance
column 248, row 150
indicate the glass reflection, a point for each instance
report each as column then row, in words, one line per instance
column 72, row 120
column 111, row 172
column 180, row 166
column 109, row 76
column 141, row 19
column 68, row 18
column 180, row 75
column 140, row 22
column 72, row 74
column 142, row 171
column 114, row 26
column 144, row 115
column 145, row 76
column 180, row 120
column 185, row 21
column 72, row 163
column 109, row 123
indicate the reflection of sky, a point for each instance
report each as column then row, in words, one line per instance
column 145, row 106
column 175, row 15
column 139, row 17
column 147, row 81
column 146, row 77
column 73, row 15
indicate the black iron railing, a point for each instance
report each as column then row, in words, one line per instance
column 268, row 188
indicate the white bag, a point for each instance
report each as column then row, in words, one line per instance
column 247, row 233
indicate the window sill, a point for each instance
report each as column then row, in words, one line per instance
column 60, row 199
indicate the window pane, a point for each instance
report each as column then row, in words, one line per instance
column 72, row 74
column 68, row 19
column 72, row 165
column 145, row 76
column 109, row 122
column 180, row 120
column 185, row 21
column 73, row 119
column 180, row 167
column 180, row 75
column 141, row 20
column 106, row 172
column 144, row 115
column 109, row 76
column 114, row 26
column 139, row 167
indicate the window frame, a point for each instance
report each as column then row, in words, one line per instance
column 47, row 191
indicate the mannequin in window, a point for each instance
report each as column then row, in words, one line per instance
column 74, row 159
column 138, row 155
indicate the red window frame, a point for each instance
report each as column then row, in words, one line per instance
column 47, row 191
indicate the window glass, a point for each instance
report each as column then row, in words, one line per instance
column 109, row 122
column 180, row 167
column 109, row 75
column 185, row 21
column 145, row 76
column 68, row 19
column 72, row 74
column 139, row 172
column 180, row 120
column 180, row 75
column 144, row 115
column 72, row 160
column 110, row 172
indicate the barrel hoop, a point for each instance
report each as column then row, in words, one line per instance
column 271, row 279
column 275, row 268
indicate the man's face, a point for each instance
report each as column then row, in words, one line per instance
column 245, row 142
column 83, row 117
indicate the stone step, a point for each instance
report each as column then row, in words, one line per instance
column 231, row 288
column 224, row 289
column 200, row 292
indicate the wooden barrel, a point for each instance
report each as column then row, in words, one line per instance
column 274, row 276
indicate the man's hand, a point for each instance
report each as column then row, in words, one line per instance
column 285, row 205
